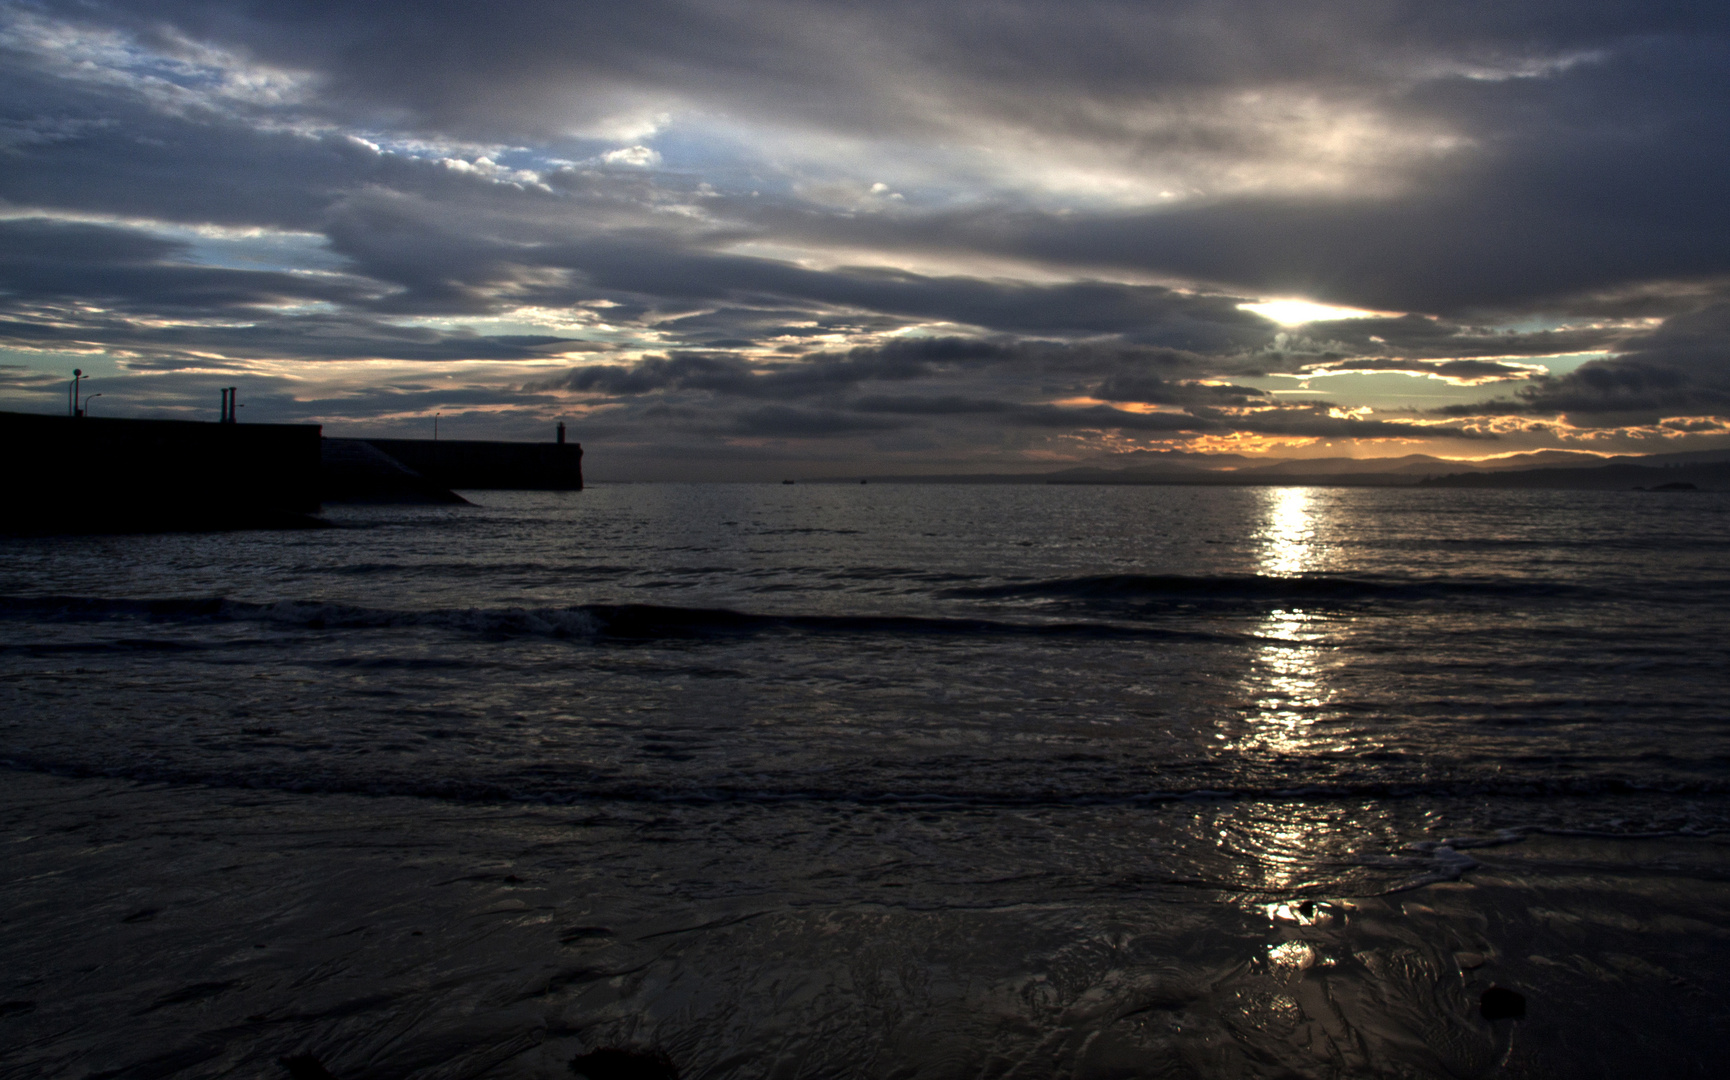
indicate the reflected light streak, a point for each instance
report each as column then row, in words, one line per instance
column 1286, row 688
column 1287, row 533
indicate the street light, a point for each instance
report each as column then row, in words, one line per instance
column 72, row 393
column 85, row 411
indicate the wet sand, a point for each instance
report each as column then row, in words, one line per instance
column 179, row 931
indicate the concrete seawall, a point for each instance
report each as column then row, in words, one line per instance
column 355, row 471
column 107, row 474
column 462, row 463
column 87, row 474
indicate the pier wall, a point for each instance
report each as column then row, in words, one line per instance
column 463, row 463
column 102, row 474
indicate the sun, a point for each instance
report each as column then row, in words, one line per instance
column 1298, row 312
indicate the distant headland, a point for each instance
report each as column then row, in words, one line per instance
column 1705, row 470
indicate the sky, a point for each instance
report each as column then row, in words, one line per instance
column 745, row 239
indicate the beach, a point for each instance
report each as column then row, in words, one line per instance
column 187, row 931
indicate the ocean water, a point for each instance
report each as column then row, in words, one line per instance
column 876, row 781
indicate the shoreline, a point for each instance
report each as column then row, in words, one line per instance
column 224, row 928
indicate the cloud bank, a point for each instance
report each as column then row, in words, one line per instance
column 748, row 237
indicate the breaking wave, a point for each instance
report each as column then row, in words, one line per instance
column 583, row 621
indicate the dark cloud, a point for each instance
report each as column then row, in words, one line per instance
column 1153, row 391
column 686, row 371
column 1417, row 337
column 932, row 405
column 835, row 378
column 74, row 149
column 1320, row 421
column 145, row 292
column 49, row 261
column 1076, row 197
column 1467, row 371
column 526, row 69
column 1489, row 244
column 730, row 374
column 1680, row 369
column 671, row 273
column 785, row 421
column 826, row 373
column 308, row 337
column 1546, row 191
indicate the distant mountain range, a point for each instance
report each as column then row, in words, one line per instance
column 1566, row 469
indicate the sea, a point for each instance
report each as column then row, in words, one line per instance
column 883, row 780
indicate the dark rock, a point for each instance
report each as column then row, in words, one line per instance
column 1500, row 1003
column 612, row 1063
column 195, row 992
column 583, row 933
column 306, row 1067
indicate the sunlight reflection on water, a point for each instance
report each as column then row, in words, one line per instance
column 1288, row 531
column 1285, row 686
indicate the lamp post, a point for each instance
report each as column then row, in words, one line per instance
column 85, row 411
column 72, row 393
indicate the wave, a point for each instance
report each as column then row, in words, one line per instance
column 431, row 567
column 539, row 788
column 1265, row 589
column 639, row 622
